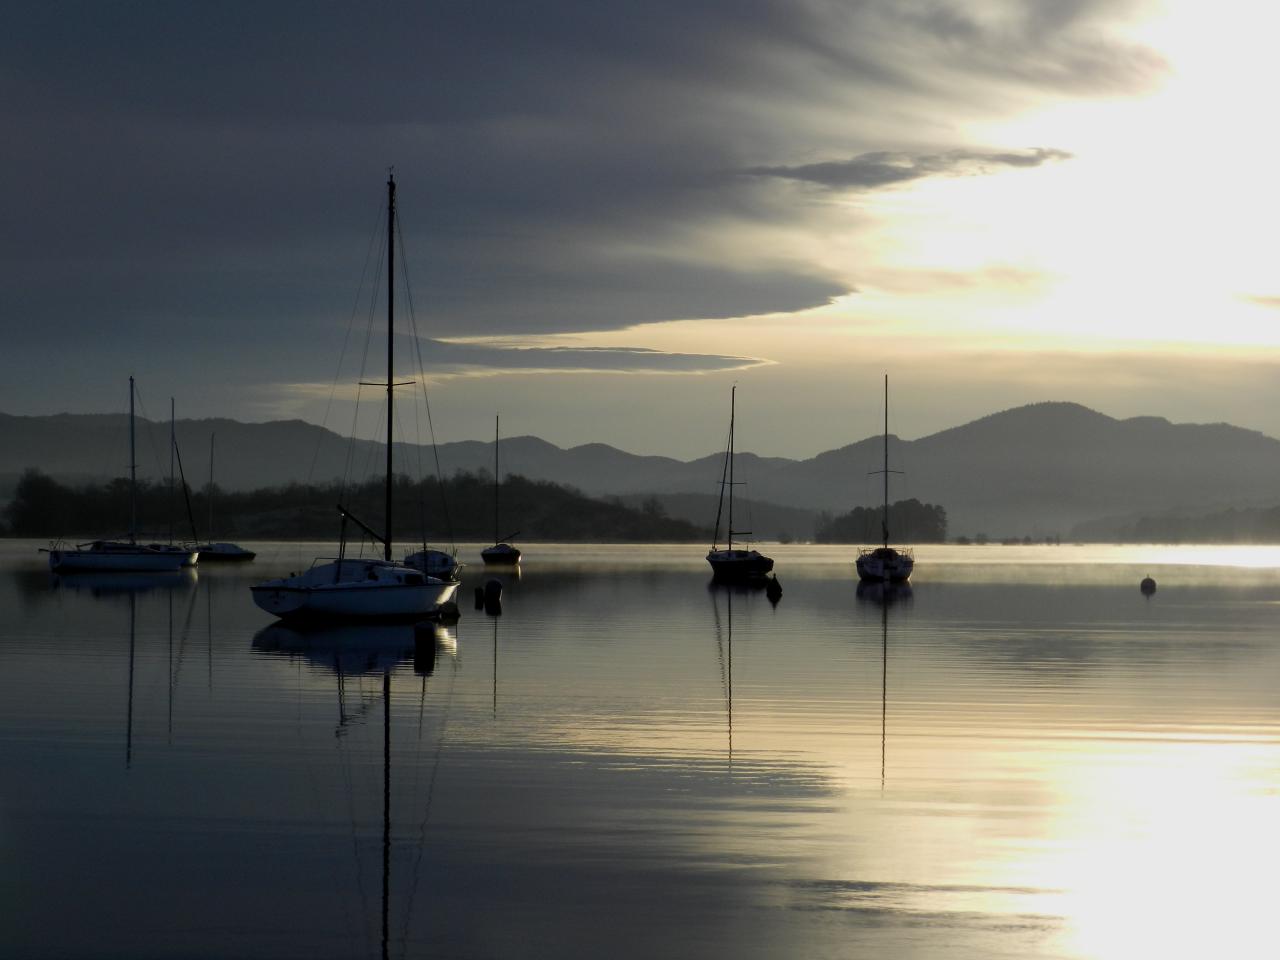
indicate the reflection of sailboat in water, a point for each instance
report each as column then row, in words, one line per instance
column 884, row 595
column 140, row 585
column 369, row 649
column 122, row 582
column 724, row 652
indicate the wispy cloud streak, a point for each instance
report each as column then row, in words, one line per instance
column 882, row 168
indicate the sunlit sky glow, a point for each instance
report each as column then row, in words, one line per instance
column 997, row 203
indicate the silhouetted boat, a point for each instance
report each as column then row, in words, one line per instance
column 501, row 554
column 121, row 555
column 362, row 589
column 885, row 564
column 221, row 552
column 730, row 564
column 435, row 563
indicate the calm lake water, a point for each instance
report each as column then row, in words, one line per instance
column 1022, row 757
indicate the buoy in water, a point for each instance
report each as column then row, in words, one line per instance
column 773, row 589
column 479, row 598
column 448, row 612
column 492, row 591
column 1148, row 586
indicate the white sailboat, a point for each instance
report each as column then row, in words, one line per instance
column 730, row 564
column 885, row 564
column 123, row 555
column 501, row 554
column 362, row 589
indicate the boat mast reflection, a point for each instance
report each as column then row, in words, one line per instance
column 724, row 653
column 355, row 649
column 884, row 595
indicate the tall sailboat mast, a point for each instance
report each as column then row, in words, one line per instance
column 885, row 524
column 496, row 418
column 391, row 342
column 733, row 396
column 173, row 445
column 133, row 474
column 211, row 436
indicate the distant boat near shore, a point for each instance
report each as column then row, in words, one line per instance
column 435, row 563
column 501, row 554
column 122, row 555
column 221, row 552
column 885, row 564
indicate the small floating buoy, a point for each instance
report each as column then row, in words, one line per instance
column 773, row 589
column 1148, row 586
column 448, row 612
column 479, row 598
column 492, row 591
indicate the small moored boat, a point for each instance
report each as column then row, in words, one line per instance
column 362, row 589
column 729, row 564
column 885, row 564
column 122, row 555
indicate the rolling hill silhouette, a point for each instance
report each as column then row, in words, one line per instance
column 1038, row 469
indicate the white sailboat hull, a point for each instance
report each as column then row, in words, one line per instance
column 134, row 558
column 355, row 590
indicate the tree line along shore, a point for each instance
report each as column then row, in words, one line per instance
column 459, row 508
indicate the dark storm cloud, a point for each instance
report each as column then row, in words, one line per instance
column 881, row 168
column 180, row 173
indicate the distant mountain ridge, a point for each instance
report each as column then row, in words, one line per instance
column 1038, row 469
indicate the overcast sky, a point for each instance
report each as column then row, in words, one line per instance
column 612, row 211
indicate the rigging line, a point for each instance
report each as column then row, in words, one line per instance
column 346, row 340
column 408, row 291
column 367, row 477
column 426, row 399
column 724, row 475
column 364, row 363
column 151, row 440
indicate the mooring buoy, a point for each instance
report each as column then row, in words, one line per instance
column 1148, row 586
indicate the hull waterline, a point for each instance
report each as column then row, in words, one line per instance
column 132, row 560
column 359, row 590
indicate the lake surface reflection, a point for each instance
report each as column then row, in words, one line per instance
column 1019, row 756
